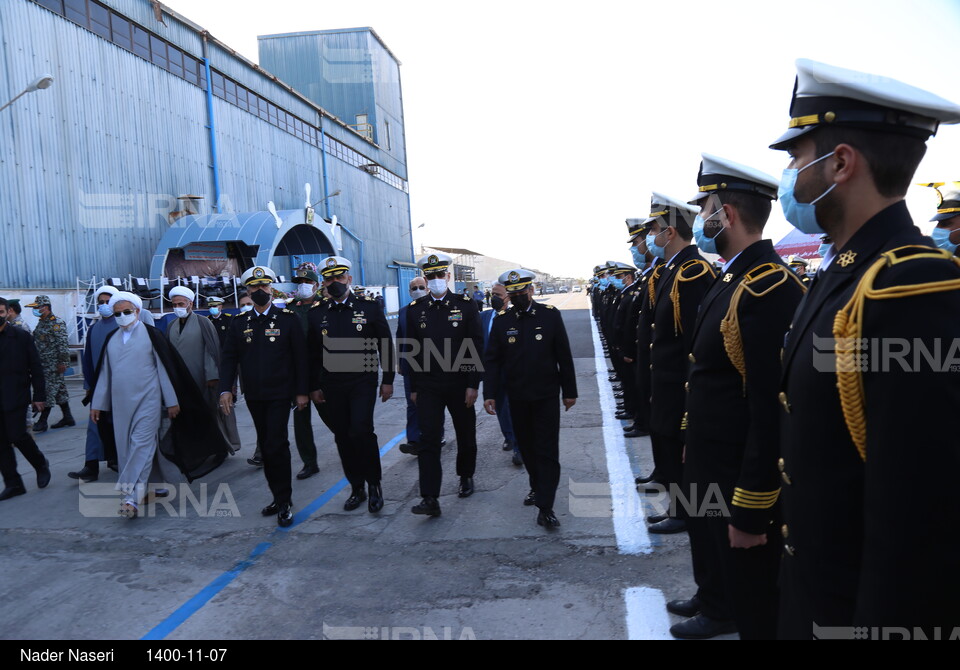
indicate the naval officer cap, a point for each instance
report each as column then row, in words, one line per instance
column 214, row 301
column 719, row 175
column 668, row 211
column 598, row 270
column 636, row 228
column 436, row 262
column 623, row 269
column 825, row 95
column 258, row 275
column 948, row 194
column 335, row 266
column 516, row 280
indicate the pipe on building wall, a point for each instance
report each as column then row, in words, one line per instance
column 363, row 281
column 211, row 126
column 323, row 169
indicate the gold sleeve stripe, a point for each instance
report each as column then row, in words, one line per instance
column 757, row 496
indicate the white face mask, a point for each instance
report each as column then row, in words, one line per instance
column 305, row 291
column 417, row 293
column 437, row 286
column 181, row 312
column 125, row 320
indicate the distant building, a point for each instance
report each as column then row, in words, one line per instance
column 157, row 149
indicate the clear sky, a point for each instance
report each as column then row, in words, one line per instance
column 535, row 128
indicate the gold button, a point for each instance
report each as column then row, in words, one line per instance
column 781, row 464
column 786, row 478
column 692, row 359
column 651, row 345
column 785, row 531
column 790, row 550
column 784, row 401
column 653, row 326
column 686, row 386
column 651, row 366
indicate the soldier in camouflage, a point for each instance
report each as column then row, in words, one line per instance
column 50, row 337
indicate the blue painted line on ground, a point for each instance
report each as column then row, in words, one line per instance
column 192, row 606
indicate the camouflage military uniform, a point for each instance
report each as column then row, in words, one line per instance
column 51, row 340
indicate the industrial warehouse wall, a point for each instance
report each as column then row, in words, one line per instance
column 90, row 167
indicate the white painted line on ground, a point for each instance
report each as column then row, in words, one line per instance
column 628, row 518
column 647, row 617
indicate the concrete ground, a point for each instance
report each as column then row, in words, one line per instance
column 209, row 566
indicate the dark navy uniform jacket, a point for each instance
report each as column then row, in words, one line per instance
column 733, row 429
column 529, row 353
column 449, row 343
column 271, row 354
column 870, row 456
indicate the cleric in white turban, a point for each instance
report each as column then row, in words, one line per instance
column 137, row 377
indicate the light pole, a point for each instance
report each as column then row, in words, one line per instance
column 39, row 83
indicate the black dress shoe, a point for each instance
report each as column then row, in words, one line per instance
column 86, row 474
column 517, row 459
column 428, row 507
column 702, row 627
column 285, row 515
column 271, row 509
column 308, row 471
column 255, row 462
column 548, row 519
column 375, row 501
column 657, row 518
column 356, row 498
column 411, row 448
column 652, row 487
column 12, row 491
column 43, row 475
column 636, row 432
column 620, row 406
column 443, row 443
column 507, row 446
column 466, row 487
column 645, row 479
column 618, row 395
column 687, row 608
column 668, row 527
column 624, row 415
column 531, row 499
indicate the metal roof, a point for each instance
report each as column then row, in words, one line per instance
column 258, row 229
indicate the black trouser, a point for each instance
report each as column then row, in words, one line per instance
column 303, row 435
column 270, row 418
column 640, row 372
column 430, row 406
column 13, row 433
column 348, row 413
column 536, row 425
column 738, row 584
column 667, row 458
column 628, row 382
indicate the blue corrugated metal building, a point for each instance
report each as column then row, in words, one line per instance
column 147, row 107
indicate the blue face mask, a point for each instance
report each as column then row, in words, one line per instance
column 941, row 237
column 36, row 312
column 801, row 215
column 106, row 311
column 824, row 248
column 604, row 282
column 617, row 283
column 654, row 248
column 638, row 259
column 214, row 311
column 704, row 243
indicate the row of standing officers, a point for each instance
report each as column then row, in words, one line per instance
column 774, row 395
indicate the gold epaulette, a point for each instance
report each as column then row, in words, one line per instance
column 501, row 312
column 316, row 304
column 755, row 499
column 730, row 325
column 288, row 311
column 683, row 422
column 652, row 283
column 466, row 298
column 689, row 271
column 549, row 306
column 848, row 329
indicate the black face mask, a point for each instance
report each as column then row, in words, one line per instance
column 520, row 300
column 496, row 302
column 260, row 298
column 337, row 290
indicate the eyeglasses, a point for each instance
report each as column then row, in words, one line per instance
column 435, row 275
column 126, row 312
